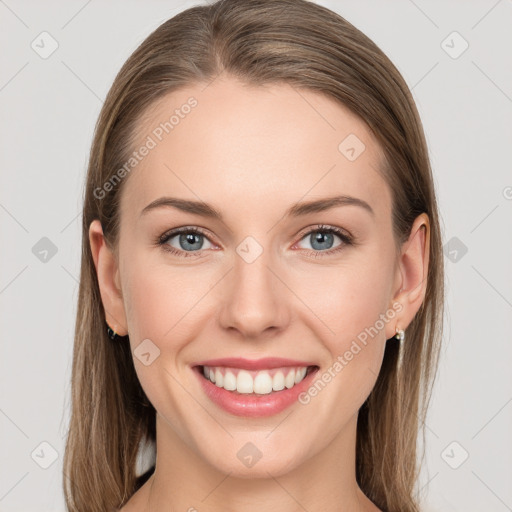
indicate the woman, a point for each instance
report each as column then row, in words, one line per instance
column 261, row 290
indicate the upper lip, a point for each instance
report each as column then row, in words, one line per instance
column 254, row 364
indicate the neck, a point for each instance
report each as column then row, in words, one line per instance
column 325, row 482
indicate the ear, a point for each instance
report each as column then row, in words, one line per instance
column 411, row 274
column 107, row 270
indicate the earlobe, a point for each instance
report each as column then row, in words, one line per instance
column 107, row 271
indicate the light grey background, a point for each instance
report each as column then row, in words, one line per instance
column 48, row 108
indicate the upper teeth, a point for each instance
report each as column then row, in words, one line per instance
column 260, row 382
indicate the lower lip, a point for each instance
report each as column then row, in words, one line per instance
column 252, row 406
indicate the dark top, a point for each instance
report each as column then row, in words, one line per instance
column 142, row 479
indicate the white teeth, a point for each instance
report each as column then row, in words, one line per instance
column 300, row 374
column 219, row 379
column 244, row 382
column 229, row 381
column 278, row 381
column 290, row 379
column 261, row 382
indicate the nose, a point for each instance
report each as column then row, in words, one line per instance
column 255, row 298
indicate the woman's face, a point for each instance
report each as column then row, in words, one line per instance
column 258, row 282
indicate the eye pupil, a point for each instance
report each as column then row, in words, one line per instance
column 190, row 238
column 322, row 238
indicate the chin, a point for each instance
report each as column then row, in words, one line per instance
column 249, row 462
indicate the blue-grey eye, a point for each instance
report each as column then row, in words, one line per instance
column 188, row 241
column 321, row 240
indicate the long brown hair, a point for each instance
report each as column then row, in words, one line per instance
column 260, row 42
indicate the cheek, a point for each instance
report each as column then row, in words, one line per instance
column 160, row 303
column 352, row 306
column 354, row 338
column 351, row 298
column 160, row 299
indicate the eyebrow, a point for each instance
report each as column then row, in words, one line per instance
column 299, row 209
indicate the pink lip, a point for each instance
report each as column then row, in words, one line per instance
column 252, row 406
column 265, row 363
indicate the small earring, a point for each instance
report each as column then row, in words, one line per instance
column 400, row 336
column 113, row 334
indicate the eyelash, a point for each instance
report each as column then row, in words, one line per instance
column 163, row 239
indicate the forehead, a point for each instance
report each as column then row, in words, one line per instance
column 239, row 146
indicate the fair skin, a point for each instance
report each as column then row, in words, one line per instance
column 252, row 152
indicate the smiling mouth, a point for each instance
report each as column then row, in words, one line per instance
column 262, row 382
